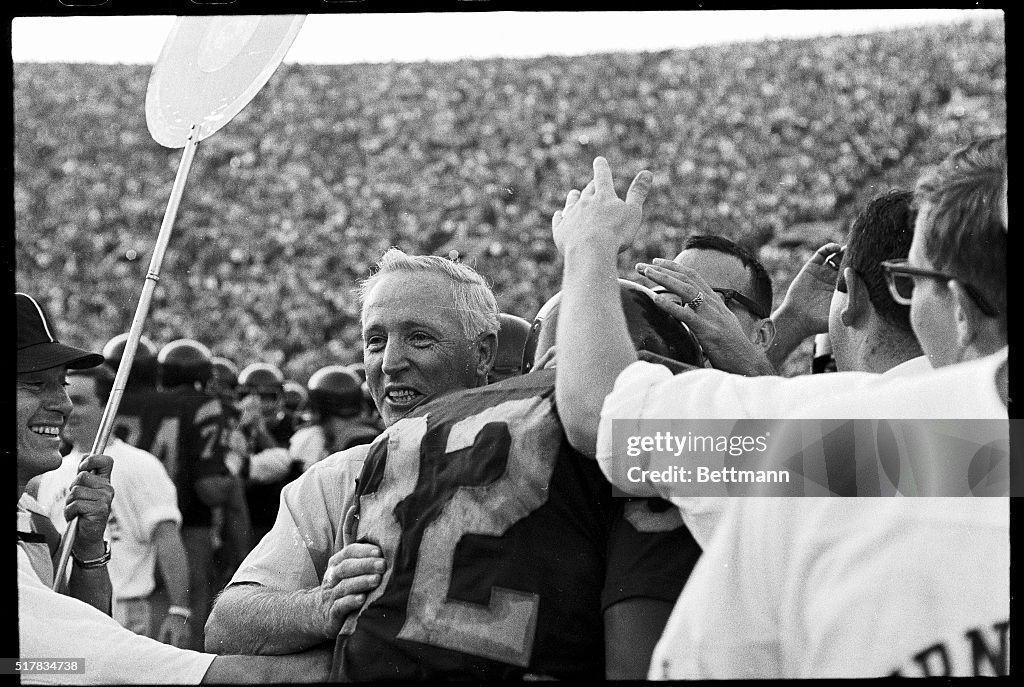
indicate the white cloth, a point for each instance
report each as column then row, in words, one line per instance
column 144, row 496
column 309, row 525
column 911, row 367
column 54, row 626
column 843, row 587
column 308, row 446
column 803, row 587
column 38, row 552
column 645, row 391
column 269, row 465
column 51, row 625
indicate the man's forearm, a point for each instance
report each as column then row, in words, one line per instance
column 590, row 317
column 253, row 619
column 91, row 586
column 309, row 666
column 791, row 329
column 172, row 561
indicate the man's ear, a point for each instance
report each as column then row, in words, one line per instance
column 765, row 334
column 487, row 353
column 858, row 304
column 967, row 317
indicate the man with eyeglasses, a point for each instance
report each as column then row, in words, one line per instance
column 829, row 587
column 724, row 295
column 843, row 292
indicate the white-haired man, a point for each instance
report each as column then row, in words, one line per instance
column 429, row 327
column 506, row 556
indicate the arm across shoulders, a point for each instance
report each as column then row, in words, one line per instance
column 308, row 528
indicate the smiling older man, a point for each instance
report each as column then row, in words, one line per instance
column 429, row 327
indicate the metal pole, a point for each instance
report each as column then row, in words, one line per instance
column 134, row 334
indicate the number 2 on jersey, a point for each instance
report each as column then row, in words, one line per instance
column 483, row 480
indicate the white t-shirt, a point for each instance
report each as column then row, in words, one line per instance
column 144, row 496
column 845, row 587
column 51, row 625
column 645, row 391
column 309, row 526
column 833, row 587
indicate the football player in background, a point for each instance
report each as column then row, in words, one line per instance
column 182, row 425
column 336, row 406
column 266, row 429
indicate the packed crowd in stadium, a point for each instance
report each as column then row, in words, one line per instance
column 368, row 432
column 330, row 165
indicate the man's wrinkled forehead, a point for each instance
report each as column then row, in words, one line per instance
column 409, row 299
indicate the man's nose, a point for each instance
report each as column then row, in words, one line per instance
column 394, row 357
column 57, row 399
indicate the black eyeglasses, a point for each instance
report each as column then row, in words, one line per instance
column 900, row 277
column 748, row 303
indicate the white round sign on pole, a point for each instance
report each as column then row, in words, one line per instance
column 210, row 68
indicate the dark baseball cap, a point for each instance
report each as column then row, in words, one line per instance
column 38, row 348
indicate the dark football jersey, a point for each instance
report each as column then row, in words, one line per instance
column 185, row 429
column 503, row 545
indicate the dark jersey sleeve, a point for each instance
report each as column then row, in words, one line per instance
column 651, row 553
column 494, row 532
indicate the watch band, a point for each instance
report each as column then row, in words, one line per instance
column 95, row 562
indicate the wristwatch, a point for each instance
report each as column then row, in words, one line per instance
column 95, row 562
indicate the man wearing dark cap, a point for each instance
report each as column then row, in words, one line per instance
column 43, row 409
column 52, row 625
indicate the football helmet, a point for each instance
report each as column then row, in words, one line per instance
column 144, row 366
column 651, row 328
column 336, row 390
column 184, row 361
column 260, row 378
column 512, row 336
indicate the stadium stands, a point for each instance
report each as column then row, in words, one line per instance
column 289, row 205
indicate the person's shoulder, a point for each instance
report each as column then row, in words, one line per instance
column 342, row 461
column 134, row 458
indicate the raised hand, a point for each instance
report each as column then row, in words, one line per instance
column 597, row 216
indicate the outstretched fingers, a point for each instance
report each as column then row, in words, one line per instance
column 603, row 176
column 639, row 189
column 570, row 199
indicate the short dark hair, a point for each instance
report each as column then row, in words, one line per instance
column 883, row 230
column 760, row 280
column 102, row 378
column 963, row 229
